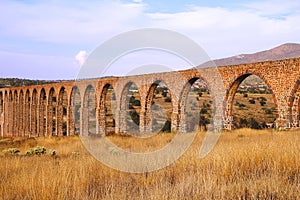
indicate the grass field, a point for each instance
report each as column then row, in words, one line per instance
column 245, row 164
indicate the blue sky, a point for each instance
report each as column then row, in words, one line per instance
column 49, row 39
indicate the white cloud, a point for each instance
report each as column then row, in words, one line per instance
column 81, row 57
column 75, row 22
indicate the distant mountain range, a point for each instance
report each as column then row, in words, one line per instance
column 285, row 51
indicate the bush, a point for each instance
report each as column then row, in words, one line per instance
column 245, row 95
column 10, row 151
column 203, row 111
column 36, row 151
column 252, row 101
column 262, row 103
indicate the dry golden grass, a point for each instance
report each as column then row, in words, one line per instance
column 245, row 164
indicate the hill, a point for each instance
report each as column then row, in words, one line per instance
column 285, row 51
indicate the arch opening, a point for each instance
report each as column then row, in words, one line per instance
column 62, row 113
column 130, row 109
column 52, row 111
column 1, row 104
column 21, row 113
column 27, row 114
column 89, row 112
column 75, row 109
column 43, row 113
column 251, row 103
column 34, row 114
column 158, row 108
column 107, row 110
column 195, row 106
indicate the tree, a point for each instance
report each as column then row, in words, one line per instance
column 251, row 101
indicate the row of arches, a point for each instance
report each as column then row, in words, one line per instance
column 65, row 111
column 134, row 109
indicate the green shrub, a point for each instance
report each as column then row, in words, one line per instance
column 10, row 151
column 252, row 101
column 36, row 151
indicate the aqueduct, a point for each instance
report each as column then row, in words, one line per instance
column 80, row 107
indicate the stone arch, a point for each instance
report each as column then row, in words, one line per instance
column 21, row 113
column 187, row 115
column 52, row 112
column 15, row 113
column 34, row 113
column 130, row 103
column 27, row 113
column 43, row 113
column 89, row 111
column 62, row 112
column 107, row 123
column 231, row 92
column 10, row 113
column 75, row 111
column 149, row 122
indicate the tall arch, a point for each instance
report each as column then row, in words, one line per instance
column 195, row 106
column 230, row 96
column 106, row 110
column 15, row 113
column 27, row 114
column 130, row 106
column 62, row 112
column 10, row 113
column 75, row 111
column 42, row 113
column 89, row 111
column 158, row 108
column 21, row 114
column 52, row 112
column 6, row 113
column 34, row 113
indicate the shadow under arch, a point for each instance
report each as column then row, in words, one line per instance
column 231, row 93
